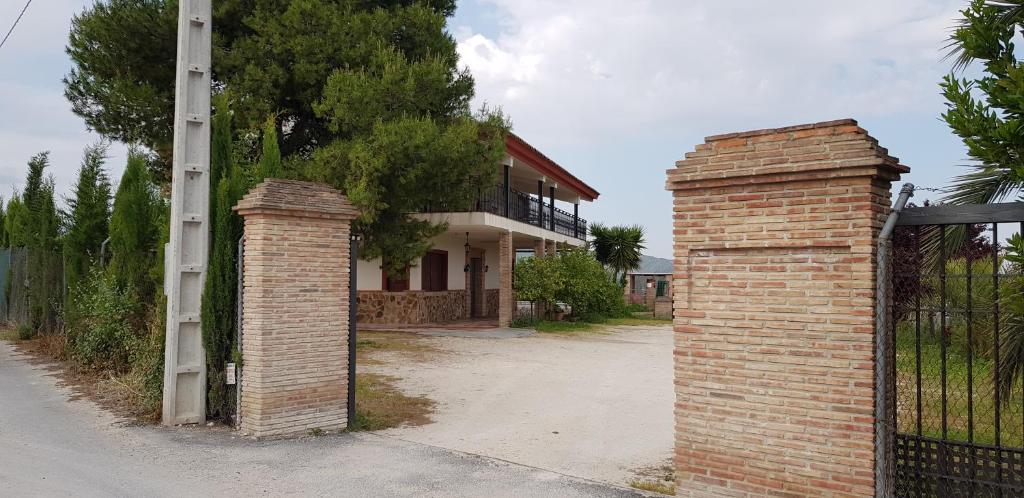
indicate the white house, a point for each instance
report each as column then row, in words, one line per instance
column 536, row 206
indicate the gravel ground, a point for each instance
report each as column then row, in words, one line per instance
column 51, row 446
column 593, row 405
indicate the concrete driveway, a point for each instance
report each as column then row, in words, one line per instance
column 592, row 405
column 50, row 446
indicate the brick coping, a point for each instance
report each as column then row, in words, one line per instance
column 784, row 129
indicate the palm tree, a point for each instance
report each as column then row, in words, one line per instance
column 986, row 112
column 618, row 247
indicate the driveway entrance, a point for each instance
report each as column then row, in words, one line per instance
column 596, row 405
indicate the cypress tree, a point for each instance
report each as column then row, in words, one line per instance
column 38, row 232
column 15, row 226
column 220, row 147
column 220, row 288
column 270, row 161
column 88, row 215
column 220, row 291
column 3, row 222
column 133, row 230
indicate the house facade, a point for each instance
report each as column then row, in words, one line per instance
column 651, row 285
column 467, row 273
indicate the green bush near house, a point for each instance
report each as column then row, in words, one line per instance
column 572, row 277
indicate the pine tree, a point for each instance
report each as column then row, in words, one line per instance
column 133, row 229
column 88, row 215
column 367, row 96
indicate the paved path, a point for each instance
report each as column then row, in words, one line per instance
column 50, row 446
column 593, row 405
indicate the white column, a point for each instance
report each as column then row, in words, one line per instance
column 184, row 399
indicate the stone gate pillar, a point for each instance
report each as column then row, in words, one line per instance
column 295, row 308
column 775, row 239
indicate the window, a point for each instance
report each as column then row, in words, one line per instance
column 435, row 271
column 395, row 284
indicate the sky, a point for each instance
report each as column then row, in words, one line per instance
column 613, row 91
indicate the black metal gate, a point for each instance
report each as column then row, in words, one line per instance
column 957, row 329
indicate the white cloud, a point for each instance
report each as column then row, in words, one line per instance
column 37, row 117
column 590, row 68
column 616, row 91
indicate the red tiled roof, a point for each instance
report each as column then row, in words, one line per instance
column 518, row 148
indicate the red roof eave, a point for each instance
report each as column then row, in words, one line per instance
column 518, row 148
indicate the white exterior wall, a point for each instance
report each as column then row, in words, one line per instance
column 368, row 275
column 492, row 279
column 456, row 259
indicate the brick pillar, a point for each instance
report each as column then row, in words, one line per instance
column 295, row 308
column 539, row 248
column 506, row 301
column 774, row 283
column 550, row 248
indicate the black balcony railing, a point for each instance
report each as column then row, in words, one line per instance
column 522, row 207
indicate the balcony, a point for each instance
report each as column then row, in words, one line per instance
column 524, row 208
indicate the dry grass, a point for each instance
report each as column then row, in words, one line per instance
column 409, row 345
column 380, row 405
column 8, row 333
column 657, row 479
column 661, row 487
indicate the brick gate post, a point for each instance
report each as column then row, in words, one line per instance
column 775, row 240
column 295, row 308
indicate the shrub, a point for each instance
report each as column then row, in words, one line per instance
column 539, row 280
column 26, row 332
column 524, row 322
column 573, row 277
column 147, row 371
column 100, row 323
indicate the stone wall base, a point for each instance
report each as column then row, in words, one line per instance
column 411, row 307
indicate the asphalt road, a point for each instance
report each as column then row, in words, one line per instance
column 51, row 446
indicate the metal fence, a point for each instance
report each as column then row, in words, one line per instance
column 522, row 207
column 956, row 353
column 33, row 288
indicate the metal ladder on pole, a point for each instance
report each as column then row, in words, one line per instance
column 184, row 397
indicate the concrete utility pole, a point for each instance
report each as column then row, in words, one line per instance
column 186, row 255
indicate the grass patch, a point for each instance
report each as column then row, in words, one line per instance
column 8, row 334
column 957, row 422
column 380, row 405
column 550, row 327
column 639, row 321
column 592, row 324
column 661, row 487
